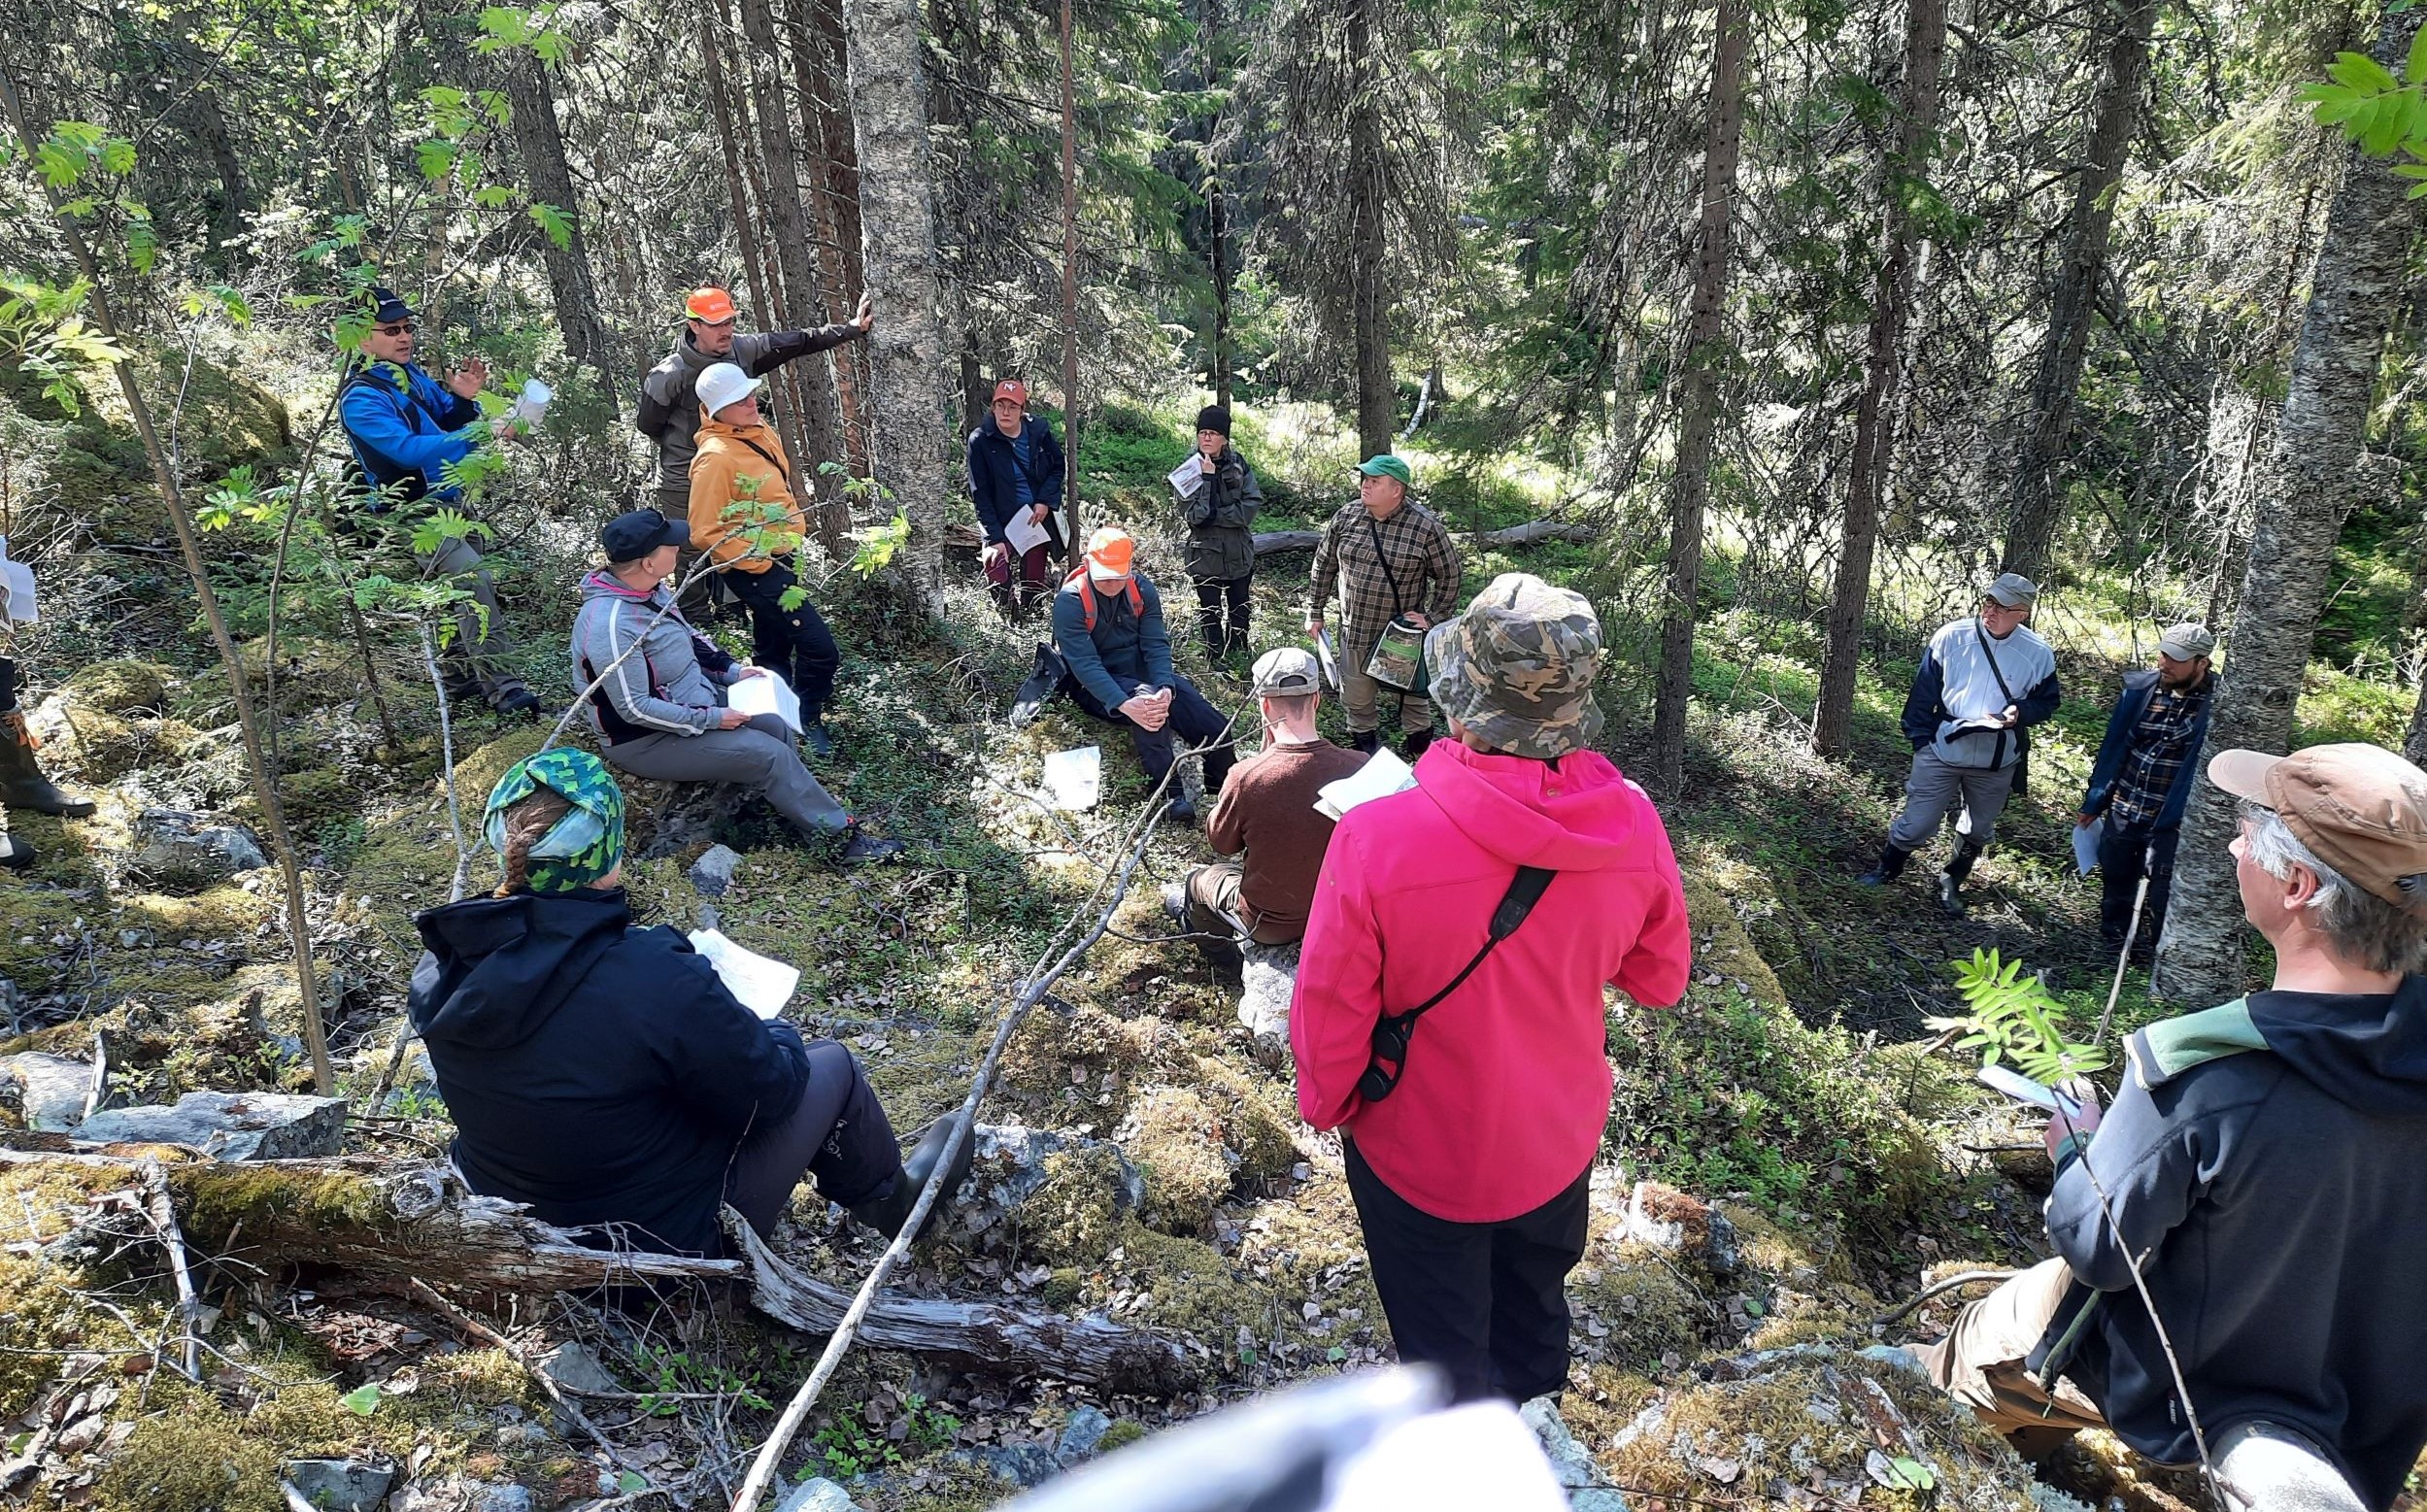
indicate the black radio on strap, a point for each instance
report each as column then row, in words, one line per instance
column 1393, row 1032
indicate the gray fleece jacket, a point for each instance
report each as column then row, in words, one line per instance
column 672, row 684
column 668, row 412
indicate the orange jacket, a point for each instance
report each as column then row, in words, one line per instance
column 738, row 470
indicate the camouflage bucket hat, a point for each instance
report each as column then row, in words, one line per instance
column 586, row 844
column 1517, row 667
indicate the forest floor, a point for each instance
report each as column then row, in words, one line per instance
column 1793, row 1089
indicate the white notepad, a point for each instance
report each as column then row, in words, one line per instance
column 762, row 983
column 1382, row 775
column 1187, row 478
column 765, row 694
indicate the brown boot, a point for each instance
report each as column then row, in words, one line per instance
column 22, row 783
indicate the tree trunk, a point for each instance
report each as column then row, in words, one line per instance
column 2303, row 492
column 541, row 143
column 1377, row 404
column 1217, row 218
column 838, row 201
column 1071, row 504
column 898, row 198
column 1925, row 49
column 824, row 134
column 2072, row 305
column 1706, row 349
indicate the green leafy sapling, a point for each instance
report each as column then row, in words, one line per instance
column 2015, row 1018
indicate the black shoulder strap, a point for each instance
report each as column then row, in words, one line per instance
column 1982, row 635
column 1398, row 606
column 780, row 471
column 1391, row 1036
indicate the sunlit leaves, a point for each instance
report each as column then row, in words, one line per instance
column 42, row 332
column 2014, row 1017
column 74, row 148
column 554, row 222
column 2382, row 114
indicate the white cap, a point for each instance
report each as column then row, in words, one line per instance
column 724, row 383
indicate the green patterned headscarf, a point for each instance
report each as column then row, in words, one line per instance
column 586, row 843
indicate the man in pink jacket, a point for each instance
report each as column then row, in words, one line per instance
column 1469, row 1171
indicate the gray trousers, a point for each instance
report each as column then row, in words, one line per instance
column 758, row 755
column 479, row 652
column 1362, row 697
column 1935, row 787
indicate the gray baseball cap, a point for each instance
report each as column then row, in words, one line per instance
column 2188, row 641
column 1517, row 667
column 1286, row 672
column 2015, row 590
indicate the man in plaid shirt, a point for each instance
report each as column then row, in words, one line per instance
column 2143, row 778
column 1388, row 555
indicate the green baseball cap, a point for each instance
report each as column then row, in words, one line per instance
column 1386, row 466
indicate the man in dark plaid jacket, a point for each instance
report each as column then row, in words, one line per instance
column 2143, row 778
column 1387, row 556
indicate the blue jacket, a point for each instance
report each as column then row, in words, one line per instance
column 2138, row 686
column 994, row 463
column 405, row 428
column 598, row 1072
column 2267, row 1164
column 1127, row 649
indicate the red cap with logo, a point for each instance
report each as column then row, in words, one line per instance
column 1013, row 390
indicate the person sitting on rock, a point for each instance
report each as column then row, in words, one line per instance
column 2244, row 1226
column 1266, row 809
column 1108, row 626
column 22, row 783
column 603, row 1074
column 656, row 688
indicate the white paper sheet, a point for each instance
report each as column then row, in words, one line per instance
column 1324, row 660
column 1075, row 779
column 531, row 407
column 765, row 694
column 2087, row 847
column 16, row 585
column 1025, row 535
column 1382, row 775
column 1187, row 478
column 762, row 983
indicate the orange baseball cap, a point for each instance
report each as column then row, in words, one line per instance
column 1111, row 550
column 1013, row 390
column 712, row 305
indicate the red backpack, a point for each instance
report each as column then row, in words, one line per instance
column 1086, row 597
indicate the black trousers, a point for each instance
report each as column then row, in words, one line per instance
column 1211, row 593
column 2124, row 853
column 1192, row 721
column 794, row 643
column 1486, row 1303
column 837, row 1133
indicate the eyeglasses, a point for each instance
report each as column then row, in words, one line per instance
column 397, row 327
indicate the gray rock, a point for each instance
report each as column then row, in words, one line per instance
column 1896, row 1354
column 338, row 1485
column 1267, row 976
column 577, row 1369
column 1009, row 1168
column 1017, row 1464
column 1587, row 1489
column 712, row 872
column 55, row 1088
column 231, row 1125
column 179, row 847
column 1666, row 1219
column 454, row 1493
column 816, row 1495
column 1082, row 1434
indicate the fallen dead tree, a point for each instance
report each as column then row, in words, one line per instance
column 1532, row 533
column 421, row 1223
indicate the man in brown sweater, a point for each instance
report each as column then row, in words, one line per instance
column 1267, row 810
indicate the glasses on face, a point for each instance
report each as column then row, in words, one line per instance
column 396, row 328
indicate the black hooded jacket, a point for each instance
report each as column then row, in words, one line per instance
column 598, row 1072
column 2267, row 1161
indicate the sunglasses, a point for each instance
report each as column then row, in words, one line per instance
column 397, row 327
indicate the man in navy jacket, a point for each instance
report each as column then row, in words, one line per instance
column 1015, row 474
column 2143, row 778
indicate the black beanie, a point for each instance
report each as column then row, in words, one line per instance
column 1214, row 417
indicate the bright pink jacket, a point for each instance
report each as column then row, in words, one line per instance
column 1507, row 1085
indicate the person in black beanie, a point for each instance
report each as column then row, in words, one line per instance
column 1221, row 514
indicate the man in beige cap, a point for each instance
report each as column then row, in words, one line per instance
column 2143, row 777
column 1983, row 681
column 1267, row 810
column 2265, row 1167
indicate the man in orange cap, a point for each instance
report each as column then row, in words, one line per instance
column 1015, row 480
column 1108, row 624
column 669, row 395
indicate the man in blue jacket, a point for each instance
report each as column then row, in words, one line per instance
column 406, row 429
column 1015, row 480
column 2143, row 778
column 1108, row 626
column 1983, row 681
column 2264, row 1167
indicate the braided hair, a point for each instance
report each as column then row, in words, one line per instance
column 527, row 823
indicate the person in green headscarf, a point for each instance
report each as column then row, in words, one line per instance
column 602, row 1073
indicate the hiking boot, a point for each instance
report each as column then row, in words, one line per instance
column 816, row 737
column 1175, row 902
column 887, row 1213
column 1369, row 741
column 1182, row 809
column 862, row 849
column 22, row 783
column 520, row 702
column 1417, row 743
column 14, row 854
column 1889, row 867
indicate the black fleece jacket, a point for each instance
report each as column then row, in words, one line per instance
column 2267, row 1163
column 598, row 1072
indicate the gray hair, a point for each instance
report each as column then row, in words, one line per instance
column 2358, row 925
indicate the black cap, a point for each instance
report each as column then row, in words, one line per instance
column 634, row 536
column 386, row 304
column 1214, row 417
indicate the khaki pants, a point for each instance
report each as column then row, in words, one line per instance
column 1362, row 697
column 1980, row 1362
column 1215, row 907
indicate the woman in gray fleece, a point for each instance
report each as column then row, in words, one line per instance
column 658, row 703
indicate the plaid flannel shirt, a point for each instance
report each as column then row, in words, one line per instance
column 2161, row 742
column 1423, row 560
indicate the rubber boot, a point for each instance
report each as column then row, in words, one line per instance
column 887, row 1213
column 1890, row 866
column 1951, row 878
column 14, row 854
column 1418, row 742
column 22, row 783
column 819, row 739
column 1367, row 741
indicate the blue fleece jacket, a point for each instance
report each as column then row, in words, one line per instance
column 1125, row 649
column 405, row 428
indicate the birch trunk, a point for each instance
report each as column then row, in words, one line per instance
column 1925, row 49
column 2302, row 491
column 1689, row 488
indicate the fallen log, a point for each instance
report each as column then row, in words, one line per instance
column 421, row 1223
column 1531, row 533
